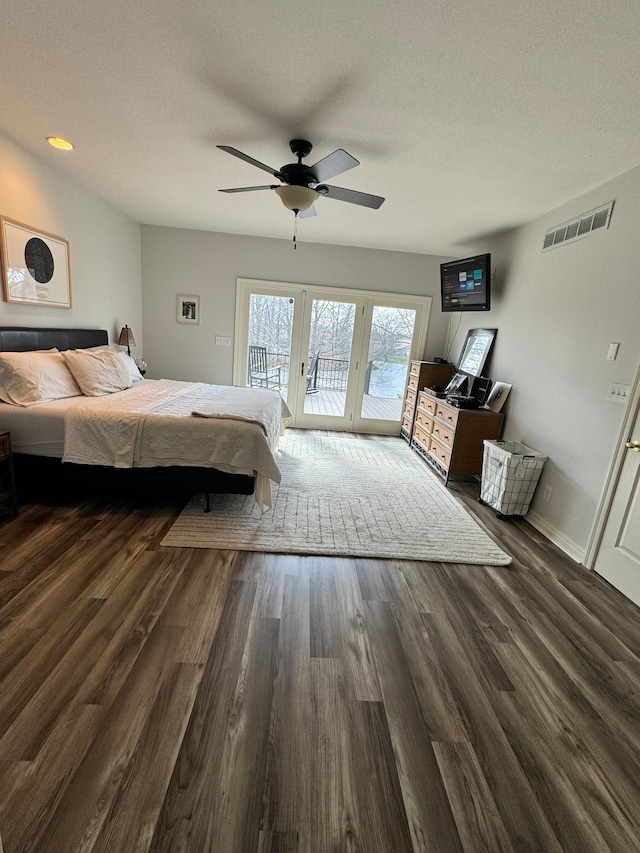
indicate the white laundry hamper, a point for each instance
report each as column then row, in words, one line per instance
column 510, row 474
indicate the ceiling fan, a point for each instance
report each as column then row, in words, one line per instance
column 302, row 184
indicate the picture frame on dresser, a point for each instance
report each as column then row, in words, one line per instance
column 498, row 396
column 35, row 266
column 476, row 351
column 457, row 385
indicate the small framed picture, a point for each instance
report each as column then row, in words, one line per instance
column 498, row 396
column 35, row 266
column 188, row 309
column 457, row 385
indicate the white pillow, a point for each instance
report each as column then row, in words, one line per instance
column 127, row 360
column 98, row 372
column 33, row 377
column 131, row 366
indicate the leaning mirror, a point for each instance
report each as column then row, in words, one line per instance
column 475, row 351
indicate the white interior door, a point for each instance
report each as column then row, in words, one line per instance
column 618, row 558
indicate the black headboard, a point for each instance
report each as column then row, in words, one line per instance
column 22, row 339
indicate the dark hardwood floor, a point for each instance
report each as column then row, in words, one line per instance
column 183, row 701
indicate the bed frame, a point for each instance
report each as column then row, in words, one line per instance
column 37, row 475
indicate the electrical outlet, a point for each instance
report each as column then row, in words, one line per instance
column 223, row 341
column 618, row 393
column 546, row 494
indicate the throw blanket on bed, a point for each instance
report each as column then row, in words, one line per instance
column 245, row 406
column 152, row 424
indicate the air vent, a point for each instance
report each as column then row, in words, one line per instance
column 582, row 226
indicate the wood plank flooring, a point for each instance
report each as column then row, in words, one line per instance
column 164, row 700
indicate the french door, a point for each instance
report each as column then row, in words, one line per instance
column 339, row 357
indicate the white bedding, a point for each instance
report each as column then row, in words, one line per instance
column 153, row 424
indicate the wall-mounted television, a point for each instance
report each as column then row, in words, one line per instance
column 465, row 285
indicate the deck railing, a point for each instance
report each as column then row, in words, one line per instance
column 329, row 374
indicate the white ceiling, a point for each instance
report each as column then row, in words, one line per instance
column 469, row 117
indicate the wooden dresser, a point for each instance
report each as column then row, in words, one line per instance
column 422, row 374
column 449, row 439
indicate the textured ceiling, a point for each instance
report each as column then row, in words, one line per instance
column 469, row 117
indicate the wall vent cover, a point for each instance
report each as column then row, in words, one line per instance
column 581, row 226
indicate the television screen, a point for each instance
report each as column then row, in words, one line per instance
column 465, row 285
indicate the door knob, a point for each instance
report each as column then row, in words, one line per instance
column 633, row 445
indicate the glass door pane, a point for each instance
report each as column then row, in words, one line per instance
column 269, row 342
column 327, row 373
column 390, row 339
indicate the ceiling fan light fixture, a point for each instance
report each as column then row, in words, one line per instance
column 297, row 198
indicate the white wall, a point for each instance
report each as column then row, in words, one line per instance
column 207, row 264
column 556, row 313
column 104, row 246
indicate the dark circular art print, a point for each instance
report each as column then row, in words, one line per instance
column 39, row 260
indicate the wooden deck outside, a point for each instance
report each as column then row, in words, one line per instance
column 332, row 403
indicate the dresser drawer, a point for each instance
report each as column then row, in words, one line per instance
column 447, row 414
column 440, row 453
column 407, row 425
column 443, row 433
column 427, row 402
column 423, row 419
column 409, row 410
column 421, row 436
column 414, row 382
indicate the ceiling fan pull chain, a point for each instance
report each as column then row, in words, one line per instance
column 295, row 231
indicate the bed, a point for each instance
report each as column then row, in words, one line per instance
column 148, row 435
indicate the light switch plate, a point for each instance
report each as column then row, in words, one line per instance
column 223, row 341
column 618, row 393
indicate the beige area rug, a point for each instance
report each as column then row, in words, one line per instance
column 343, row 496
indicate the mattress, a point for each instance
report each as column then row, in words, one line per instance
column 159, row 423
column 38, row 430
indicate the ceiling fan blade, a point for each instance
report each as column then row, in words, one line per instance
column 352, row 196
column 248, row 159
column 333, row 164
column 310, row 211
column 249, row 189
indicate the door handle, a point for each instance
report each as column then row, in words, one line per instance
column 302, row 369
column 633, row 445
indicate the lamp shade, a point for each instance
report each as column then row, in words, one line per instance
column 126, row 339
column 297, row 198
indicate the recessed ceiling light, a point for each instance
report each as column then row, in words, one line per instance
column 59, row 142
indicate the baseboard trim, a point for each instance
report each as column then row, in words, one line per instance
column 571, row 548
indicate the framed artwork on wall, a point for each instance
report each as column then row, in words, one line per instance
column 188, row 309
column 35, row 266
